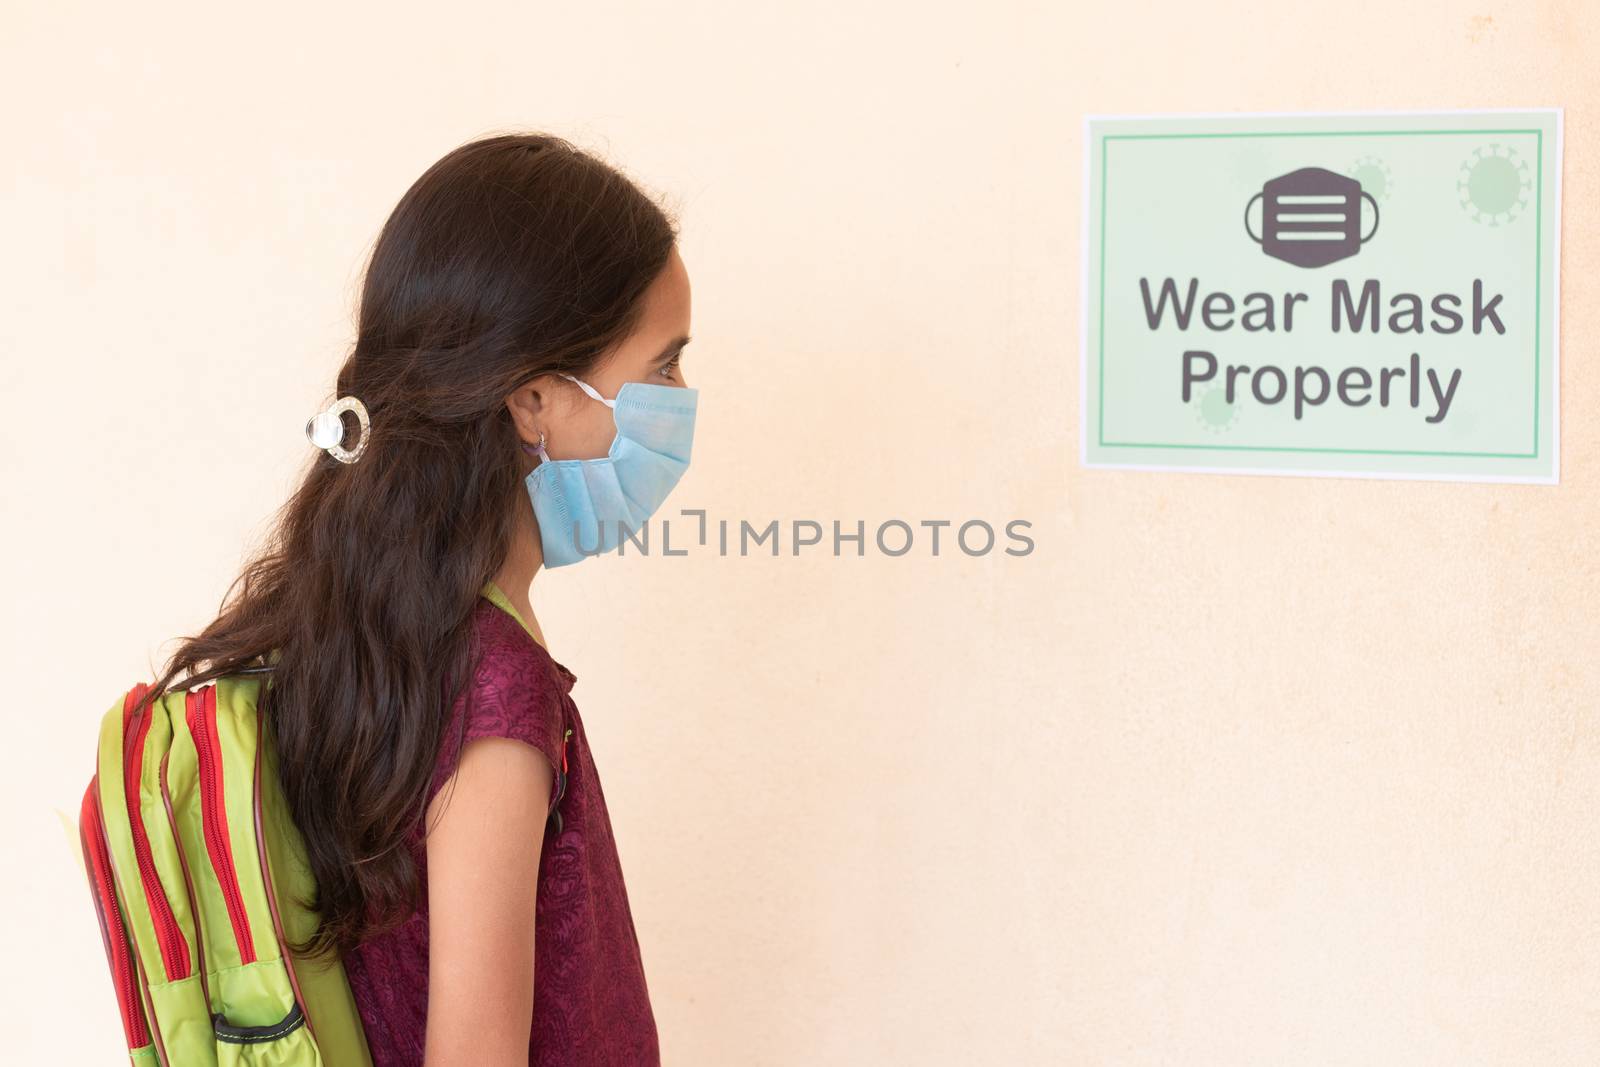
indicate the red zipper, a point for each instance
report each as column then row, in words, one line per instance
column 188, row 880
column 119, row 954
column 202, row 714
column 174, row 947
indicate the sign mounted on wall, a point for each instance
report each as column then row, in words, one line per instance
column 1360, row 295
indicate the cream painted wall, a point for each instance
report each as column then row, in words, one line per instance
column 1229, row 770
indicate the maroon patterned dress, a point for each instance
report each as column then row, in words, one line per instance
column 590, row 1001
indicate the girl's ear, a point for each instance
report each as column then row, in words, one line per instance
column 528, row 405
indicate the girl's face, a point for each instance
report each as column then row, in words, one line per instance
column 575, row 425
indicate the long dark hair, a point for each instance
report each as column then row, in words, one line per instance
column 513, row 256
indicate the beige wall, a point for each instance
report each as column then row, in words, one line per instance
column 1230, row 770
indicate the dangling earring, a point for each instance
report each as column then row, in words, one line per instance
column 537, row 450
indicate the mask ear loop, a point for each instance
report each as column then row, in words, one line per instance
column 586, row 387
column 538, row 450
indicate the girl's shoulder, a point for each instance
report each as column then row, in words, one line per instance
column 494, row 610
column 505, row 646
column 516, row 690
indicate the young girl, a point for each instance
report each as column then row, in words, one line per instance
column 514, row 396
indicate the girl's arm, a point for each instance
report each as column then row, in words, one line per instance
column 487, row 826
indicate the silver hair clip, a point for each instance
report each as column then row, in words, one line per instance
column 326, row 429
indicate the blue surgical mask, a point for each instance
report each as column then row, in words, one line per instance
column 581, row 502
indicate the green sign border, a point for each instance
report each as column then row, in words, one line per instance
column 1538, row 243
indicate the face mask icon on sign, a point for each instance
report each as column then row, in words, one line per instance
column 1311, row 217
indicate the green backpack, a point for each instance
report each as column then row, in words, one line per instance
column 198, row 876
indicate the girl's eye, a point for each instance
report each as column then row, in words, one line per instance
column 670, row 368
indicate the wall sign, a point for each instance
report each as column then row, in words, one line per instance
column 1361, row 294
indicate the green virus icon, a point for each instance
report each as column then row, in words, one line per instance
column 1374, row 175
column 1213, row 412
column 1495, row 185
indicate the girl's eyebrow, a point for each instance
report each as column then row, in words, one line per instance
column 672, row 347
